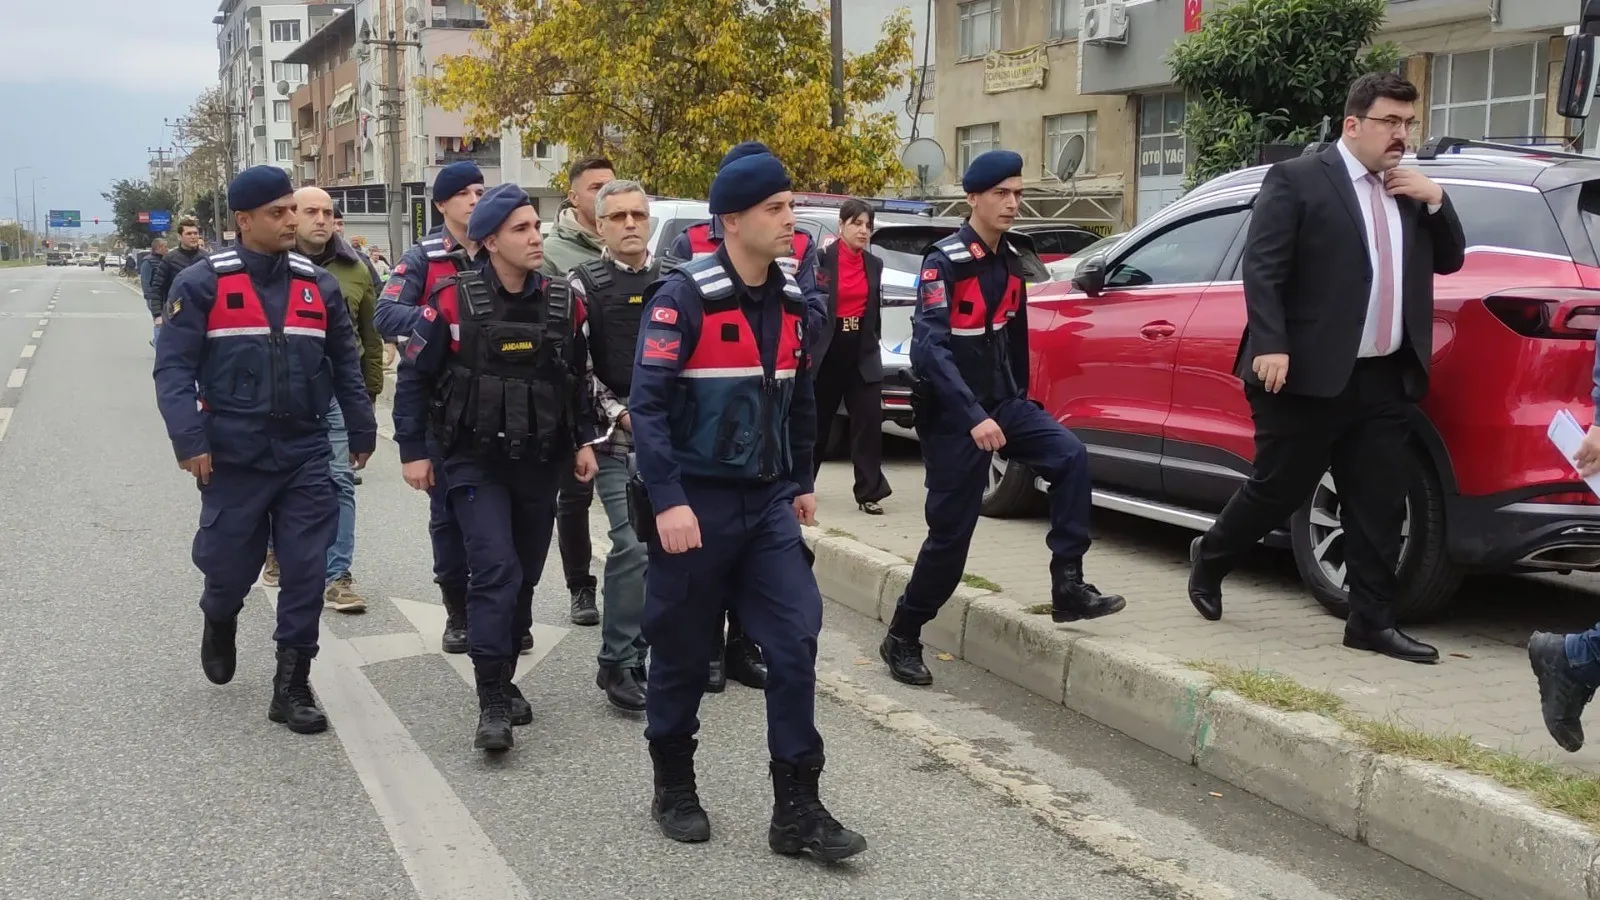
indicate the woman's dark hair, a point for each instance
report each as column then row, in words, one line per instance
column 852, row 208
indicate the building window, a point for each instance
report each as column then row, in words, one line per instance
column 1056, row 131
column 282, row 71
column 543, row 149
column 1161, row 146
column 286, row 31
column 980, row 28
column 1497, row 94
column 377, row 199
column 1065, row 16
column 281, row 148
column 976, row 139
column 280, row 110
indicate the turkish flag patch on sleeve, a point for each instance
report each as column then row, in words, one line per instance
column 429, row 313
column 664, row 315
column 930, row 274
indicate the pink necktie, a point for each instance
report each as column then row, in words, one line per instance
column 1385, row 273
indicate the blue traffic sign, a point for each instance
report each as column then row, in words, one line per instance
column 160, row 220
column 65, row 218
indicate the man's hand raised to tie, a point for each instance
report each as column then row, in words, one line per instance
column 1412, row 183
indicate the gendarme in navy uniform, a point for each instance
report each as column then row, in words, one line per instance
column 257, row 345
column 724, row 419
column 491, row 385
column 969, row 352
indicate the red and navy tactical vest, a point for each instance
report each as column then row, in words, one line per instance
column 979, row 344
column 702, row 244
column 255, row 366
column 509, row 388
column 731, row 413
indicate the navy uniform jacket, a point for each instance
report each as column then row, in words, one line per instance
column 805, row 276
column 428, row 350
column 651, row 396
column 400, row 301
column 257, row 443
column 931, row 358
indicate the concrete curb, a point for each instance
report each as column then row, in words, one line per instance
column 1470, row 832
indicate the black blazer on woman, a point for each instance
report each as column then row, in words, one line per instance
column 871, row 326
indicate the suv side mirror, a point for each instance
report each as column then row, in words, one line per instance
column 1091, row 276
column 1577, row 77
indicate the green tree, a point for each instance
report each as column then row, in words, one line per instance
column 129, row 198
column 18, row 239
column 665, row 87
column 1268, row 71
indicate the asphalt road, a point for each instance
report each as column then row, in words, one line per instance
column 124, row 774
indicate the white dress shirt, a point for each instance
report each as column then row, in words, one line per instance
column 1363, row 188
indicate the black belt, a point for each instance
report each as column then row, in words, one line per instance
column 849, row 323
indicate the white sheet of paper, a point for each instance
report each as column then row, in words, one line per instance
column 1567, row 436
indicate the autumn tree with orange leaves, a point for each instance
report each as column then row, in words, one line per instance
column 665, row 87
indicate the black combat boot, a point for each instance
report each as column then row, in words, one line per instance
column 517, row 706
column 717, row 678
column 902, row 652
column 494, row 713
column 293, row 704
column 624, row 686
column 1072, row 598
column 676, row 805
column 218, row 654
column 741, row 659
column 455, row 620
column 799, row 820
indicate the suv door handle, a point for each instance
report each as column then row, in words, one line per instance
column 1158, row 330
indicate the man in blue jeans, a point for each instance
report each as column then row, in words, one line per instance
column 1568, row 665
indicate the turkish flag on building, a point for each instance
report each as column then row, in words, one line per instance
column 1191, row 16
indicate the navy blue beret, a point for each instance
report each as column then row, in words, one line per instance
column 493, row 207
column 455, row 178
column 746, row 182
column 740, row 151
column 991, row 168
column 257, row 186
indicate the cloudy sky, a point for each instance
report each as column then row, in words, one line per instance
column 84, row 87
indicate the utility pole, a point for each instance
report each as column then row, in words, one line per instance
column 836, row 33
column 392, row 116
column 160, row 153
column 17, row 199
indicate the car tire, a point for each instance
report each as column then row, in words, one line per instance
column 1429, row 580
column 1008, row 491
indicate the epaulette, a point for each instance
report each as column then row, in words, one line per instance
column 709, row 278
column 433, row 247
column 953, row 248
column 301, row 265
column 791, row 288
column 225, row 261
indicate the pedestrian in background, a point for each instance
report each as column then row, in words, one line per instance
column 850, row 365
column 175, row 261
column 147, row 274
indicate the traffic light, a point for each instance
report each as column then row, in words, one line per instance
column 97, row 220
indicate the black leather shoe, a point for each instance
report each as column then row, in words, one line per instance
column 1561, row 697
column 1072, row 598
column 741, row 660
column 717, row 676
column 527, row 643
column 1390, row 642
column 904, row 657
column 219, row 656
column 624, row 687
column 1205, row 589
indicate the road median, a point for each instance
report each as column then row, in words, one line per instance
column 1301, row 752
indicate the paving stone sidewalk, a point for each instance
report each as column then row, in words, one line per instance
column 1482, row 687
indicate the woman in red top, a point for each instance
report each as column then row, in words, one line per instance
column 849, row 368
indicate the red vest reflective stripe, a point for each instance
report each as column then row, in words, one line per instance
column 238, row 312
column 718, row 356
column 967, row 308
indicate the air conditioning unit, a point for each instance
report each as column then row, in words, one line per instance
column 1106, row 24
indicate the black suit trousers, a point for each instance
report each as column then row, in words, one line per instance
column 1361, row 434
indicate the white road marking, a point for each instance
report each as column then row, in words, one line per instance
column 5, row 421
column 44, row 321
column 15, row 291
column 444, row 850
column 17, row 377
column 29, row 350
column 38, row 334
column 428, row 619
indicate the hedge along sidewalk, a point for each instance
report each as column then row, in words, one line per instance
column 1465, row 829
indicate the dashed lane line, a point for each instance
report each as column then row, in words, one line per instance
column 38, row 334
column 5, row 421
column 17, row 377
column 29, row 350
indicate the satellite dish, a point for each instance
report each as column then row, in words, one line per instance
column 412, row 15
column 1069, row 159
column 283, row 89
column 925, row 158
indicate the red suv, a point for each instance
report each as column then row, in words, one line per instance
column 1136, row 355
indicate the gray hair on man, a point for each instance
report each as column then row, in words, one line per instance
column 612, row 189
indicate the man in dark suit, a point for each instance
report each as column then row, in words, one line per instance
column 1339, row 337
column 849, row 364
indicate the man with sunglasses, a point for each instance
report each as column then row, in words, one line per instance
column 612, row 290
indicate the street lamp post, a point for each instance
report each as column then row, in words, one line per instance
column 16, row 199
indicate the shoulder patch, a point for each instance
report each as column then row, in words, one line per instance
column 398, row 270
column 930, row 274
column 174, row 306
column 659, row 348
column 226, row 261
column 664, row 315
column 932, row 294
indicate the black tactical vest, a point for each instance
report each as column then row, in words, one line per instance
column 616, row 304
column 509, row 391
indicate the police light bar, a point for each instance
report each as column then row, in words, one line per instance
column 880, row 204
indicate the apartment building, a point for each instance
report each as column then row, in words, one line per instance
column 1486, row 68
column 1006, row 76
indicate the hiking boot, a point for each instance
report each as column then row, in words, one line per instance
column 293, row 704
column 340, row 596
column 494, row 713
column 676, row 804
column 584, row 611
column 800, row 822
